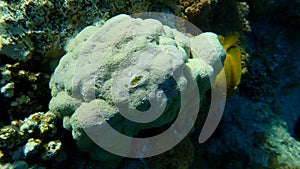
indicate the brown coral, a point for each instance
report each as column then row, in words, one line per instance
column 189, row 7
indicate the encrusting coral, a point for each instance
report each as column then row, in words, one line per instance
column 29, row 138
column 41, row 28
column 22, row 91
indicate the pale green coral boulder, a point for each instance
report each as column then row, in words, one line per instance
column 124, row 69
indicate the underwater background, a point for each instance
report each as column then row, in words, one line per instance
column 260, row 126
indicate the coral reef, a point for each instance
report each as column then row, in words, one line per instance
column 180, row 157
column 273, row 10
column 41, row 28
column 261, row 129
column 138, row 6
column 272, row 59
column 8, row 90
column 247, row 142
column 209, row 15
column 5, row 78
column 194, row 7
column 260, row 126
column 75, row 101
column 22, row 91
column 17, row 165
column 27, row 139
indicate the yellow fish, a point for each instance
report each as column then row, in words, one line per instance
column 232, row 63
